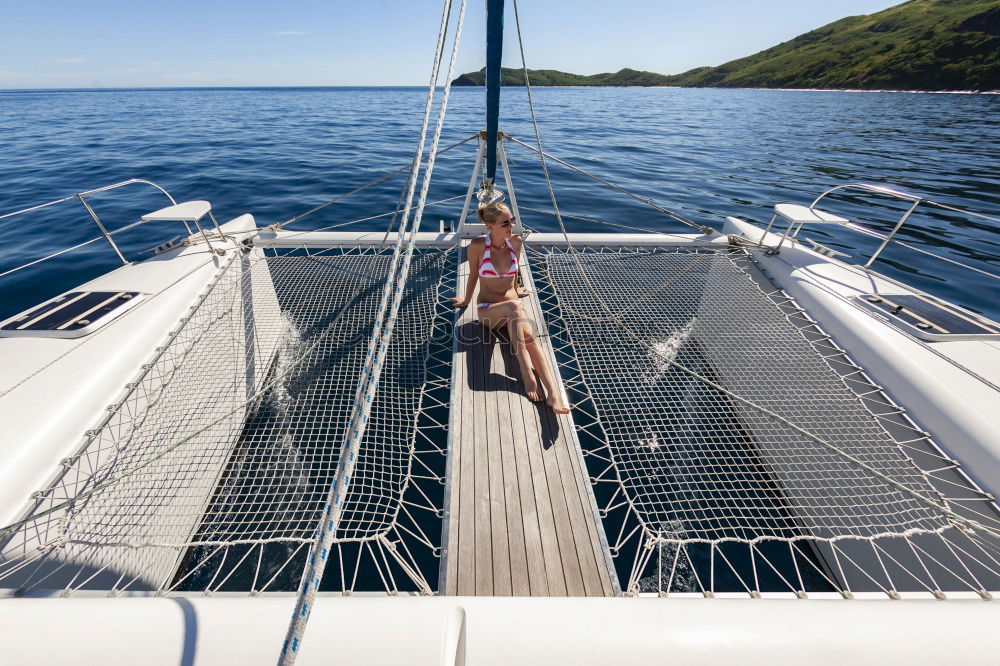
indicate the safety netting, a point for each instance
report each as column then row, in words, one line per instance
column 735, row 447
column 213, row 469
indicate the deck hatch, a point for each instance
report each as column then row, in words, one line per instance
column 928, row 318
column 72, row 314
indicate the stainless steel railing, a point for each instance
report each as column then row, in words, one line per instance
column 915, row 200
column 105, row 234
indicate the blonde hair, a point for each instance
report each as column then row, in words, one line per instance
column 491, row 212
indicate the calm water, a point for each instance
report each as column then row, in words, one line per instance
column 703, row 153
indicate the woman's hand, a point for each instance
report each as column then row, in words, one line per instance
column 460, row 302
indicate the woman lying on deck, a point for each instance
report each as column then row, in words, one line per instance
column 495, row 255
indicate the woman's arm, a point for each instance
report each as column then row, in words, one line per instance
column 473, row 255
column 518, row 244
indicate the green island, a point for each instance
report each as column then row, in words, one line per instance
column 917, row 45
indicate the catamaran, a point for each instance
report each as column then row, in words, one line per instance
column 265, row 443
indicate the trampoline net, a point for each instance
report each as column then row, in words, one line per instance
column 687, row 472
column 212, row 471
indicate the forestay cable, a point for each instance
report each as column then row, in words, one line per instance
column 378, row 346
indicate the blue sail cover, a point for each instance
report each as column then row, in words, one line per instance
column 494, row 54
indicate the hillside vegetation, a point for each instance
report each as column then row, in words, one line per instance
column 918, row 45
column 551, row 77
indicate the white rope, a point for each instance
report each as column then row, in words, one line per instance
column 605, row 222
column 274, row 382
column 612, row 316
column 359, row 220
column 186, row 434
column 652, row 204
column 327, row 528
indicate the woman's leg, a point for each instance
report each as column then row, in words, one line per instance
column 522, row 330
column 537, row 355
column 511, row 315
column 520, row 334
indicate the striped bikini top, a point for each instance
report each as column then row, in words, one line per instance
column 486, row 268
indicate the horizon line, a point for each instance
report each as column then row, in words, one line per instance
column 248, row 86
column 459, row 87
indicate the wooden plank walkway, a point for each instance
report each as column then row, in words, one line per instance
column 519, row 517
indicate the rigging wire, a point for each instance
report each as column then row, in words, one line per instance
column 399, row 209
column 943, row 508
column 274, row 382
column 649, row 202
column 560, row 216
column 287, row 371
column 595, row 220
column 312, row 575
column 409, row 167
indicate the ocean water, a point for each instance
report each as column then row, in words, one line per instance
column 703, row 153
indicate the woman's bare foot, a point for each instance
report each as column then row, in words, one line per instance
column 531, row 388
column 557, row 405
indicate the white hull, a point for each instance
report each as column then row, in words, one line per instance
column 456, row 631
column 61, row 393
column 946, row 386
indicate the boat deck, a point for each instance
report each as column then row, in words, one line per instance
column 711, row 475
column 519, row 517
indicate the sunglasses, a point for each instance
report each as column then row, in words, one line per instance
column 506, row 223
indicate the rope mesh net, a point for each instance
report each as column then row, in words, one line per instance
column 692, row 470
column 211, row 471
column 215, row 465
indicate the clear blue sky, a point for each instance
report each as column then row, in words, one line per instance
column 81, row 43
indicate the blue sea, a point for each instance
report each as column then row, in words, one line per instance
column 704, row 153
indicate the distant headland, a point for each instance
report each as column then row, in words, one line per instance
column 918, row 45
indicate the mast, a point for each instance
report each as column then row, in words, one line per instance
column 494, row 54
